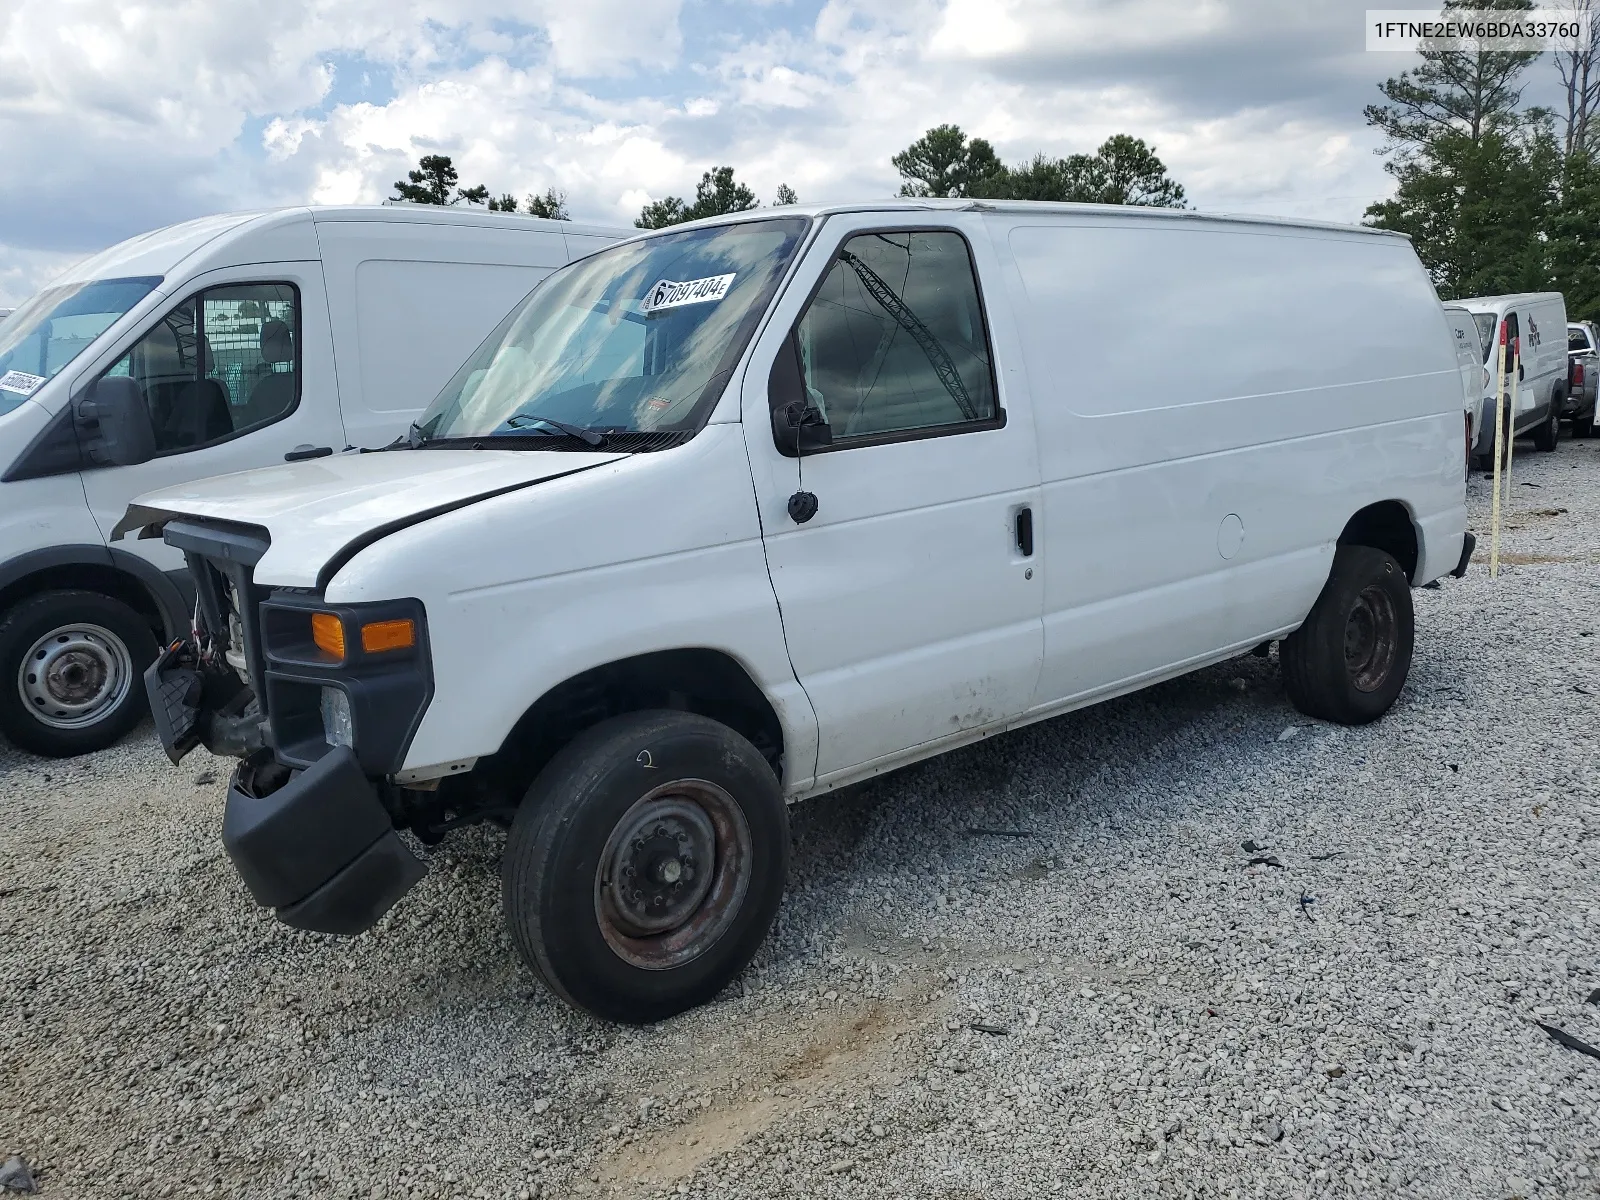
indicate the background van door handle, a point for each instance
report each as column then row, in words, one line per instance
column 1025, row 532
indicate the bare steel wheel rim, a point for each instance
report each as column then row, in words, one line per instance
column 74, row 675
column 673, row 875
column 1371, row 639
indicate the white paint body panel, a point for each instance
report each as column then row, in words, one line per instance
column 315, row 509
column 1469, row 359
column 1542, row 318
column 1186, row 503
column 649, row 552
column 438, row 281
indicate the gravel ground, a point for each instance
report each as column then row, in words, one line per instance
column 1101, row 996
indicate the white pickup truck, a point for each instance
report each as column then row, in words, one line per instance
column 750, row 509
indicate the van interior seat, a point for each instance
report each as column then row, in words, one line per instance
column 273, row 395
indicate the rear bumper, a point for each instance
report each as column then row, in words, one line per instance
column 317, row 845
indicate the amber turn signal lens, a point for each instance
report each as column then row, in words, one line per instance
column 327, row 632
column 388, row 635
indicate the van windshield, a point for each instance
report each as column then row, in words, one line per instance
column 57, row 325
column 1485, row 332
column 639, row 338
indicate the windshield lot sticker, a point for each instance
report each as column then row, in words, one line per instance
column 668, row 294
column 21, row 381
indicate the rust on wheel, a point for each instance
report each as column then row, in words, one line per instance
column 673, row 875
column 1371, row 639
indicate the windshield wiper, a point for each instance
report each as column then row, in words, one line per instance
column 931, row 347
column 587, row 436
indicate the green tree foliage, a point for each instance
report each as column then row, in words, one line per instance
column 942, row 162
column 552, row 205
column 505, row 202
column 1478, row 176
column 1574, row 245
column 1475, row 209
column 1453, row 92
column 786, row 195
column 434, row 182
column 1124, row 170
column 716, row 193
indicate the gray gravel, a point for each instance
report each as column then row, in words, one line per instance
column 1116, row 1004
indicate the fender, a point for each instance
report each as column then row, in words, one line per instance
column 169, row 598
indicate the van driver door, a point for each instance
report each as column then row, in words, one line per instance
column 909, row 596
column 237, row 374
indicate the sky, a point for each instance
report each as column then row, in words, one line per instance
column 120, row 116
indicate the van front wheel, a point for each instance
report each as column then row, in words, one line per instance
column 1349, row 660
column 646, row 864
column 71, row 672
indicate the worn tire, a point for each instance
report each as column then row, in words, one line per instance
column 130, row 647
column 1583, row 426
column 1548, row 435
column 564, row 864
column 1325, row 671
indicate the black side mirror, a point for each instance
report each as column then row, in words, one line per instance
column 114, row 425
column 798, row 426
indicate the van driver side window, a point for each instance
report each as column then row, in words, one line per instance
column 223, row 362
column 894, row 341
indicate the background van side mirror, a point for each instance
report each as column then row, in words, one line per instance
column 114, row 426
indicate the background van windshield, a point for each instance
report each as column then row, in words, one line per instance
column 57, row 325
column 638, row 338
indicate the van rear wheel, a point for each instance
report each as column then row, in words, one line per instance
column 646, row 864
column 71, row 672
column 1349, row 660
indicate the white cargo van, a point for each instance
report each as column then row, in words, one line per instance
column 1474, row 373
column 1535, row 324
column 237, row 341
column 751, row 509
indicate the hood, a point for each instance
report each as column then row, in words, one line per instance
column 321, row 512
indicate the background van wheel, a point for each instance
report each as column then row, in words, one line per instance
column 1548, row 434
column 1583, row 426
column 1349, row 660
column 646, row 864
column 72, row 672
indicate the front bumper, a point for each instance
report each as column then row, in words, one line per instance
column 316, row 845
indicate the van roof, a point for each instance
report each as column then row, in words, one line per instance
column 1134, row 211
column 160, row 250
column 1498, row 304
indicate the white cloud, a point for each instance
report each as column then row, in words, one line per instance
column 118, row 117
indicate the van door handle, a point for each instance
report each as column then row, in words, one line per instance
column 1025, row 532
column 300, row 453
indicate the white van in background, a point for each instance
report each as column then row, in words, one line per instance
column 1537, row 323
column 754, row 508
column 1474, row 374
column 201, row 349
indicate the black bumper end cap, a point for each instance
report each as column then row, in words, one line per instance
column 290, row 838
column 353, row 900
column 1468, row 545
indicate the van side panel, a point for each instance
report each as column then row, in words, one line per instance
column 1203, row 443
column 410, row 302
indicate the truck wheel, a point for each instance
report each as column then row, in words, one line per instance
column 1583, row 425
column 1549, row 433
column 71, row 672
column 646, row 864
column 1349, row 660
